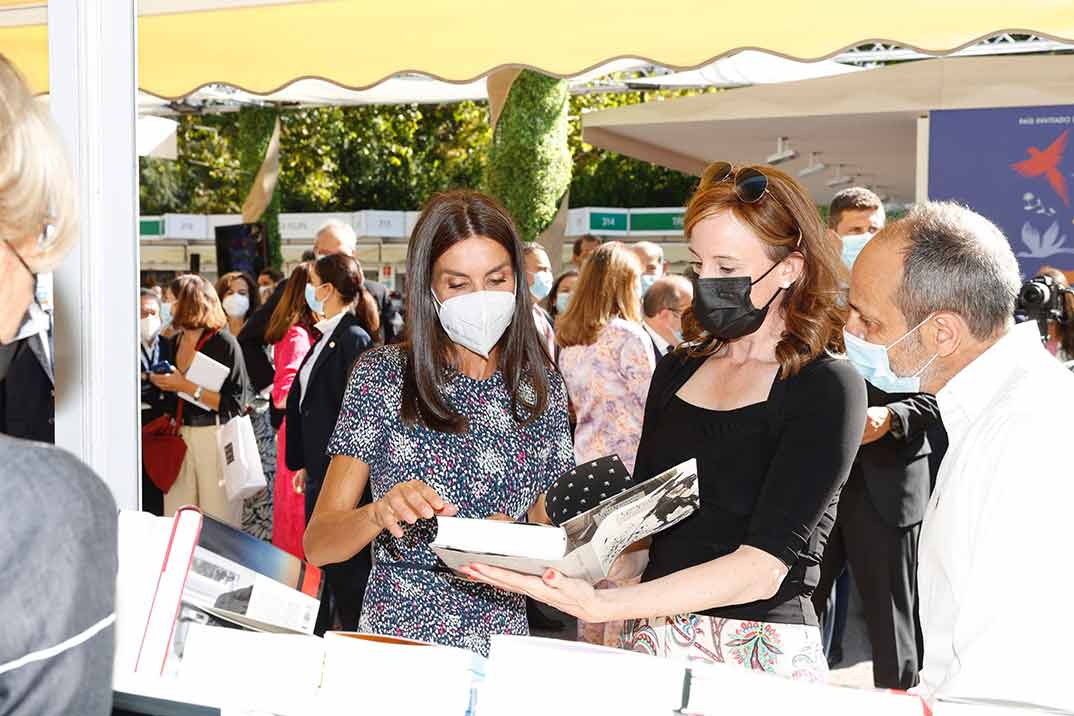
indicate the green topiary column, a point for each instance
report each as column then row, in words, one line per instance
column 529, row 161
column 254, row 133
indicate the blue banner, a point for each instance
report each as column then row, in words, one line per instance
column 1013, row 166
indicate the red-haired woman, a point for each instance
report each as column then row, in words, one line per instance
column 774, row 420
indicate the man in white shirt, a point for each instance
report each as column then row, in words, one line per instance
column 663, row 307
column 937, row 289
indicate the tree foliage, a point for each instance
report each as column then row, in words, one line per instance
column 603, row 178
column 529, row 165
column 256, row 125
column 395, row 157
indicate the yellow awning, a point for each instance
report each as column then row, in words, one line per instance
column 261, row 46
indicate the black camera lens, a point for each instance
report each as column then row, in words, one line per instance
column 1034, row 293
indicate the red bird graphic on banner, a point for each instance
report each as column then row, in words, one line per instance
column 1047, row 163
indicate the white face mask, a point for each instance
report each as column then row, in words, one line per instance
column 236, row 305
column 149, row 327
column 477, row 320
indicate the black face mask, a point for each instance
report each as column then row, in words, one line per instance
column 723, row 307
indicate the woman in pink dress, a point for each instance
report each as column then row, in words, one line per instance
column 290, row 331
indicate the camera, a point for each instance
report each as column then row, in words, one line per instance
column 1041, row 298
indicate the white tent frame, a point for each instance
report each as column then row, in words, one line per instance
column 93, row 78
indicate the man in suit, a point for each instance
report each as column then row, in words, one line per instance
column 153, row 349
column 28, row 394
column 663, row 306
column 334, row 237
column 313, row 407
column 884, row 499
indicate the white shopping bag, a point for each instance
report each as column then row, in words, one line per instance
column 243, row 475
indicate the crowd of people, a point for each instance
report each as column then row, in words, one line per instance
column 856, row 395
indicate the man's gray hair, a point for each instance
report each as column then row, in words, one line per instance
column 532, row 247
column 649, row 249
column 342, row 230
column 956, row 260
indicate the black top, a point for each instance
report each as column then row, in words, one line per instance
column 311, row 422
column 235, row 393
column 159, row 401
column 769, row 475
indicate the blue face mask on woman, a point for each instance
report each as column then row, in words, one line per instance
column 311, row 299
column 872, row 361
column 542, row 284
column 563, row 299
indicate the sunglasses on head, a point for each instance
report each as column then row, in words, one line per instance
column 751, row 185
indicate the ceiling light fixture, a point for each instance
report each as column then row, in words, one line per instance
column 815, row 166
column 784, row 153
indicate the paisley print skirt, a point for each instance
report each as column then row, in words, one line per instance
column 792, row 651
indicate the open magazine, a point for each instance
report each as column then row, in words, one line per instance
column 584, row 546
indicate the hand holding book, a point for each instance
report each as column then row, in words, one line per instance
column 407, row 503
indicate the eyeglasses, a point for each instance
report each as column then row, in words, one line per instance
column 751, row 185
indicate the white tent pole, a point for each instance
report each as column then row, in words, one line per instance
column 921, row 183
column 92, row 82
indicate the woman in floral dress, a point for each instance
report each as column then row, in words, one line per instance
column 466, row 418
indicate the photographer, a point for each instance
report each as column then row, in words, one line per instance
column 1049, row 299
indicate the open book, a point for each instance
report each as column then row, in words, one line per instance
column 190, row 569
column 584, row 546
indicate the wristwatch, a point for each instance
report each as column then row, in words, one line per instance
column 897, row 429
column 197, row 393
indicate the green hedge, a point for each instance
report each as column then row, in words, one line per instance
column 529, row 161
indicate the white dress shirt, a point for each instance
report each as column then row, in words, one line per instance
column 661, row 344
column 993, row 566
column 326, row 327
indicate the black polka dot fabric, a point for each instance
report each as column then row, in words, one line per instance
column 586, row 486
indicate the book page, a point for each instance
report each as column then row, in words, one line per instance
column 229, row 590
column 143, row 540
column 254, row 669
column 493, row 537
column 646, row 509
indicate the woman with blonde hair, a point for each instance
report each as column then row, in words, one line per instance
column 774, row 420
column 59, row 518
column 606, row 356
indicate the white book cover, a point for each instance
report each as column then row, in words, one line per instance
column 584, row 546
column 208, row 373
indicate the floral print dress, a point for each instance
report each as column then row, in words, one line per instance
column 498, row 465
column 608, row 382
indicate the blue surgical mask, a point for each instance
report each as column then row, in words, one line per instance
column 871, row 360
column 165, row 314
column 542, row 284
column 678, row 337
column 852, row 246
column 647, row 281
column 563, row 299
column 311, row 299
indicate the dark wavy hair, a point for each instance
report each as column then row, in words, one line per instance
column 446, row 220
column 813, row 308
